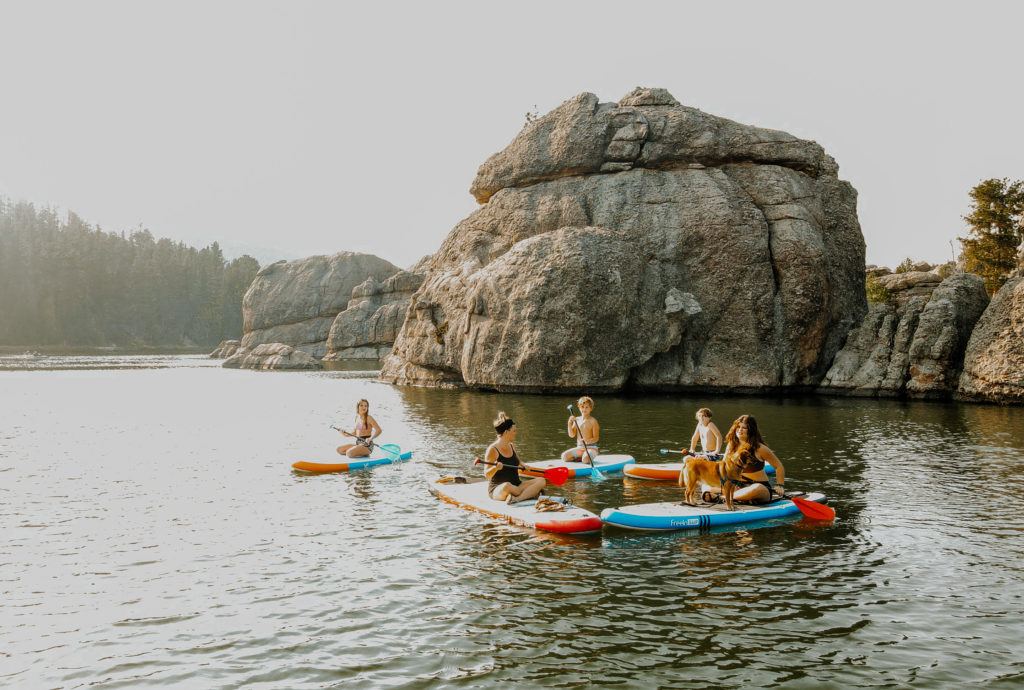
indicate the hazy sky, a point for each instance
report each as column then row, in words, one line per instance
column 314, row 127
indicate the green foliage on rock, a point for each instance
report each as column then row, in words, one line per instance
column 67, row 283
column 876, row 291
column 906, row 266
column 996, row 230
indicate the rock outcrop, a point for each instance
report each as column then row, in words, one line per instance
column 994, row 362
column 296, row 302
column 642, row 244
column 226, row 349
column 272, row 356
column 368, row 326
column 914, row 344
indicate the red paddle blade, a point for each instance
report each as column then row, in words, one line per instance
column 812, row 509
column 557, row 475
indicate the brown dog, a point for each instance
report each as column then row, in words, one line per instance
column 724, row 473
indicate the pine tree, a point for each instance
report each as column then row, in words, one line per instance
column 996, row 230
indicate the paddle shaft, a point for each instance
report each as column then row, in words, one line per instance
column 360, row 441
column 557, row 475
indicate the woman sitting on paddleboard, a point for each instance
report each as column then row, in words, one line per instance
column 505, row 484
column 755, row 487
column 366, row 430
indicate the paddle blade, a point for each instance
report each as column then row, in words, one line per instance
column 391, row 450
column 812, row 509
column 557, row 475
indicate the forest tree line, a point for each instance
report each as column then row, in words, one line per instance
column 63, row 282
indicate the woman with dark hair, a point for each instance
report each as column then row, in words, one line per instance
column 755, row 487
column 502, row 466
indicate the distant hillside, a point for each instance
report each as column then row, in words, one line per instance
column 68, row 283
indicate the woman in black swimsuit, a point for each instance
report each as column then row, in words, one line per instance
column 755, row 487
column 504, row 482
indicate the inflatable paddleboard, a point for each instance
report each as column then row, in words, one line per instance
column 665, row 471
column 668, row 516
column 382, row 455
column 604, row 463
column 472, row 495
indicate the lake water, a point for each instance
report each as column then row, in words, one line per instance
column 154, row 535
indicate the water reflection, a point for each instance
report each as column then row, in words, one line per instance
column 157, row 536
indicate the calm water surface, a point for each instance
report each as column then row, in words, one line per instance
column 154, row 535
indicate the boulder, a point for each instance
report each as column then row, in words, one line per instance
column 296, row 302
column 369, row 324
column 913, row 344
column 643, row 244
column 994, row 361
column 272, row 356
column 226, row 349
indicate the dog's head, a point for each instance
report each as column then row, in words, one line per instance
column 740, row 458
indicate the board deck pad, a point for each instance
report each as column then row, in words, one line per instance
column 670, row 516
column 378, row 457
column 472, row 495
column 604, row 463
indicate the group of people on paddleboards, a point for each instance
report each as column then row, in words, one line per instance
column 502, row 463
column 754, row 487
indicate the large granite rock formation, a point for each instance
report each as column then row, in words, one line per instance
column 296, row 302
column 994, row 361
column 913, row 344
column 368, row 326
column 642, row 243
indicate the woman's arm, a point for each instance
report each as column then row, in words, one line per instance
column 376, row 428
column 766, row 454
column 491, row 456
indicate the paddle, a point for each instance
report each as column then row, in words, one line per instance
column 812, row 509
column 391, row 450
column 556, row 475
column 664, row 451
column 360, row 441
column 579, row 435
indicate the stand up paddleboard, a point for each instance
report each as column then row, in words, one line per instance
column 605, row 463
column 669, row 516
column 382, row 455
column 472, row 495
column 665, row 471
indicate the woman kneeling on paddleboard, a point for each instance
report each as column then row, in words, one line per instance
column 367, row 429
column 503, row 475
column 755, row 487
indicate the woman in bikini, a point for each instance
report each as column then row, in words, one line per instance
column 504, row 481
column 755, row 487
column 366, row 430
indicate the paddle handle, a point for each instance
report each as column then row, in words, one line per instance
column 665, row 451
column 341, row 430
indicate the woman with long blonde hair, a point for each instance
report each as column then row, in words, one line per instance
column 365, row 432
